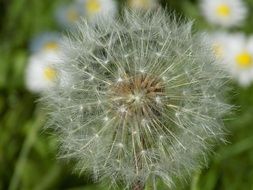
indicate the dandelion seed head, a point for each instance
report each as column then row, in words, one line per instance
column 143, row 115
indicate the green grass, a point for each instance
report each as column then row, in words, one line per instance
column 28, row 153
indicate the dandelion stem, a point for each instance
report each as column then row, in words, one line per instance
column 138, row 186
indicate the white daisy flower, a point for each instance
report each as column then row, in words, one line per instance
column 225, row 13
column 239, row 59
column 68, row 15
column 94, row 10
column 47, row 42
column 218, row 42
column 143, row 4
column 41, row 74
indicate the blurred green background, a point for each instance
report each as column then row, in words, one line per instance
column 28, row 153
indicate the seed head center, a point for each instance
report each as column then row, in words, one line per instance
column 137, row 95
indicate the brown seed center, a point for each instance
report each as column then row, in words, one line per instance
column 140, row 94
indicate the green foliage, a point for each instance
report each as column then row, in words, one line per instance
column 27, row 153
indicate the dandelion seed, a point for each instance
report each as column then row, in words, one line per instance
column 158, row 54
column 161, row 137
column 119, row 80
column 106, row 62
column 122, row 109
column 120, row 145
column 142, row 70
column 106, row 118
column 158, row 99
column 91, row 78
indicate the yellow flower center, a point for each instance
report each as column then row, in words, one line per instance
column 223, row 10
column 72, row 15
column 51, row 46
column 244, row 60
column 50, row 73
column 93, row 6
column 218, row 50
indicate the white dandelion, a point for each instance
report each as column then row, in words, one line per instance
column 145, row 103
column 226, row 13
